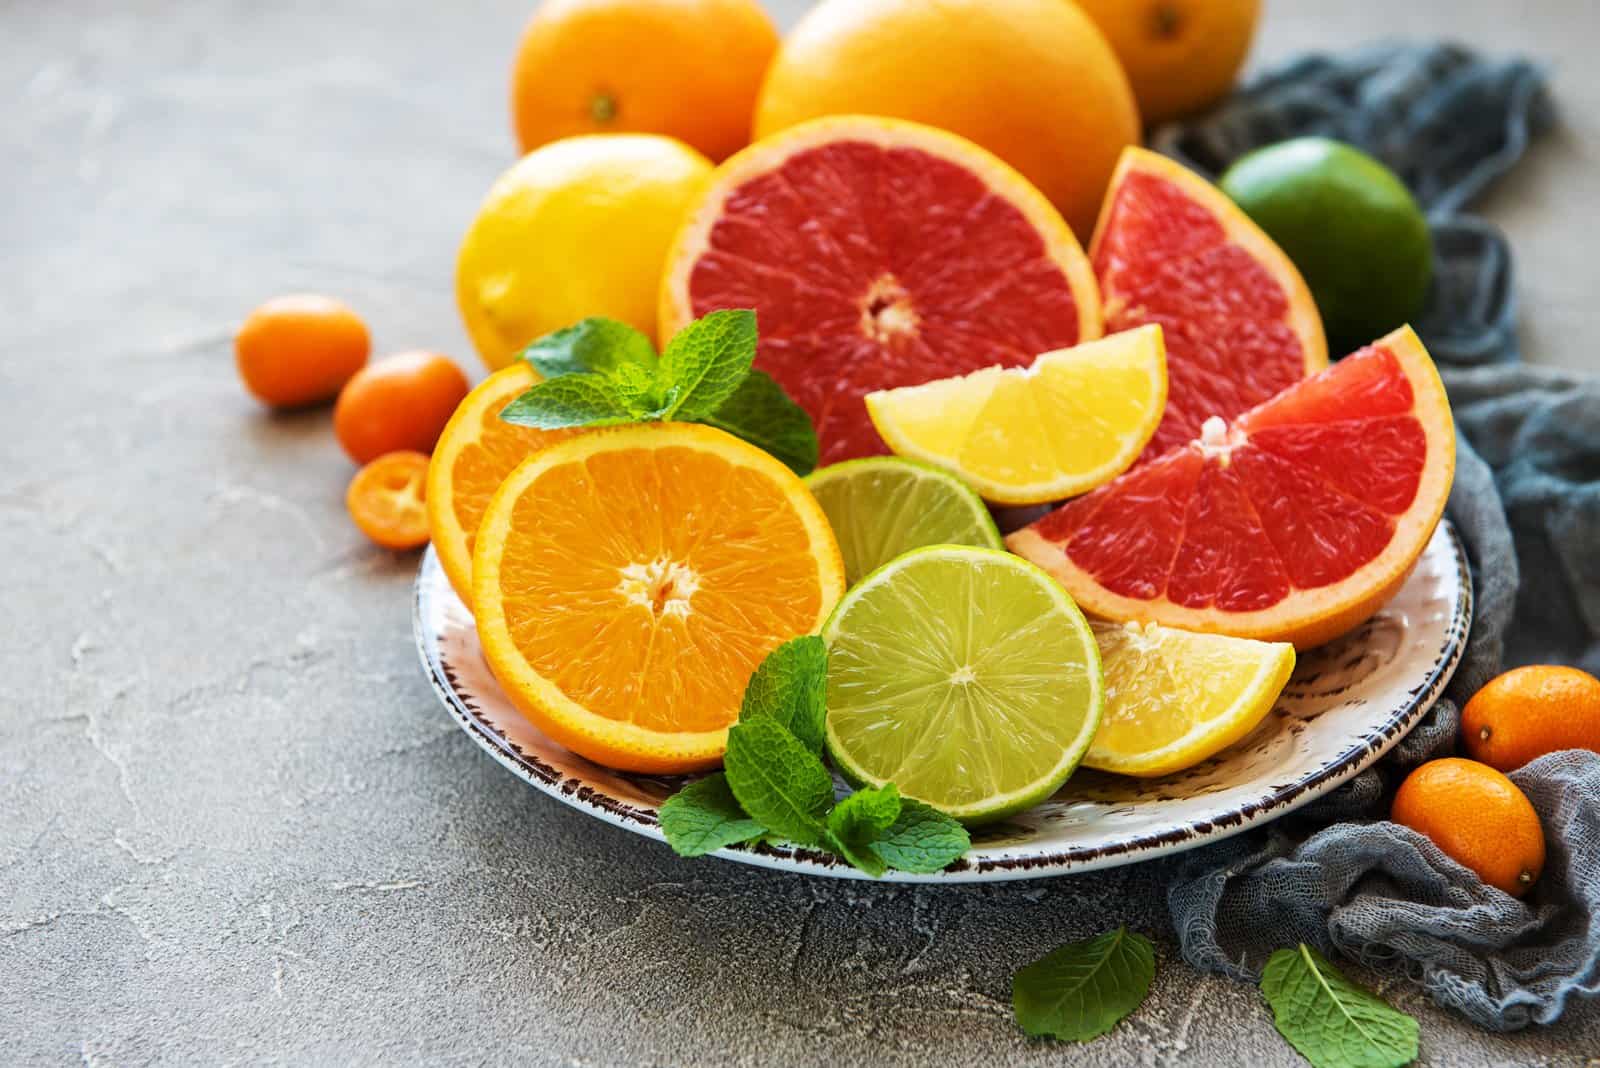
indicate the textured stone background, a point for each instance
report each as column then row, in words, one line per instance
column 234, row 825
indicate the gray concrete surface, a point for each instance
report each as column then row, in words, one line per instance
column 234, row 825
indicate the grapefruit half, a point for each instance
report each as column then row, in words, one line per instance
column 878, row 253
column 1239, row 322
column 1295, row 523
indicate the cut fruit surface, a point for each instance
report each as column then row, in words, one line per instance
column 1175, row 697
column 1072, row 420
column 1294, row 524
column 1240, row 324
column 878, row 253
column 628, row 581
column 882, row 506
column 964, row 676
column 472, row 457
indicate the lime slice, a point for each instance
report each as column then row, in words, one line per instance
column 881, row 507
column 1073, row 420
column 1174, row 697
column 964, row 676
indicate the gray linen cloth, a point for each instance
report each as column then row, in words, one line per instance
column 1527, row 504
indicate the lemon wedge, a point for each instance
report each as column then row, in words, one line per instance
column 1175, row 697
column 1073, row 420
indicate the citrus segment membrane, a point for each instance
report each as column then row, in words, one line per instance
column 880, row 507
column 629, row 581
column 877, row 254
column 1176, row 697
column 1296, row 522
column 964, row 676
column 1239, row 323
column 1070, row 421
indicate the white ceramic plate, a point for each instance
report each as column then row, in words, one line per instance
column 1348, row 703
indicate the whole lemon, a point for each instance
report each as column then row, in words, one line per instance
column 688, row 69
column 1033, row 81
column 1180, row 55
column 1351, row 226
column 577, row 228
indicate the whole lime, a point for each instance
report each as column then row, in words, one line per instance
column 1348, row 223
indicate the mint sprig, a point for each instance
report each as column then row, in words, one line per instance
column 1084, row 988
column 1333, row 1022
column 601, row 372
column 704, row 817
column 774, row 782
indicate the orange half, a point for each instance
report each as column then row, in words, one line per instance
column 472, row 457
column 629, row 581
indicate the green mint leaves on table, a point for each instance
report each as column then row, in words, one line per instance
column 600, row 372
column 1333, row 1022
column 1084, row 988
column 774, row 782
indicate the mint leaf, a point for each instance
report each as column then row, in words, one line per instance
column 1082, row 989
column 638, row 389
column 594, row 344
column 922, row 839
column 777, row 780
column 705, row 361
column 571, row 400
column 791, row 686
column 857, row 821
column 761, row 413
column 1333, row 1022
column 704, row 816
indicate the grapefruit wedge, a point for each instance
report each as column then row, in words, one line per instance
column 877, row 254
column 1240, row 324
column 1294, row 523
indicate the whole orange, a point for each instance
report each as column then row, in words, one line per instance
column 399, row 403
column 1478, row 817
column 688, row 69
column 299, row 349
column 1531, row 711
column 1180, row 55
column 1033, row 81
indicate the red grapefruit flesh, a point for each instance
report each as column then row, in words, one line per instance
column 1239, row 323
column 877, row 254
column 1295, row 523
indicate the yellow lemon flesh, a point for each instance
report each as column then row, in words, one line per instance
column 576, row 228
column 1073, row 420
column 1175, row 697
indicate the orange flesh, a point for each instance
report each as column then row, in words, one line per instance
column 482, row 465
column 385, row 500
column 647, row 585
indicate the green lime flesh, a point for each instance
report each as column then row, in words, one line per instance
column 1350, row 226
column 883, row 506
column 967, row 677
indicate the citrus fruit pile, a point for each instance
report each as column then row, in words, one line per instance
column 890, row 280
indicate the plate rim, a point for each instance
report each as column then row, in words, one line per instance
column 586, row 798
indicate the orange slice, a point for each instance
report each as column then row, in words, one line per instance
column 878, row 254
column 1237, row 318
column 1294, row 523
column 628, row 581
column 472, row 457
